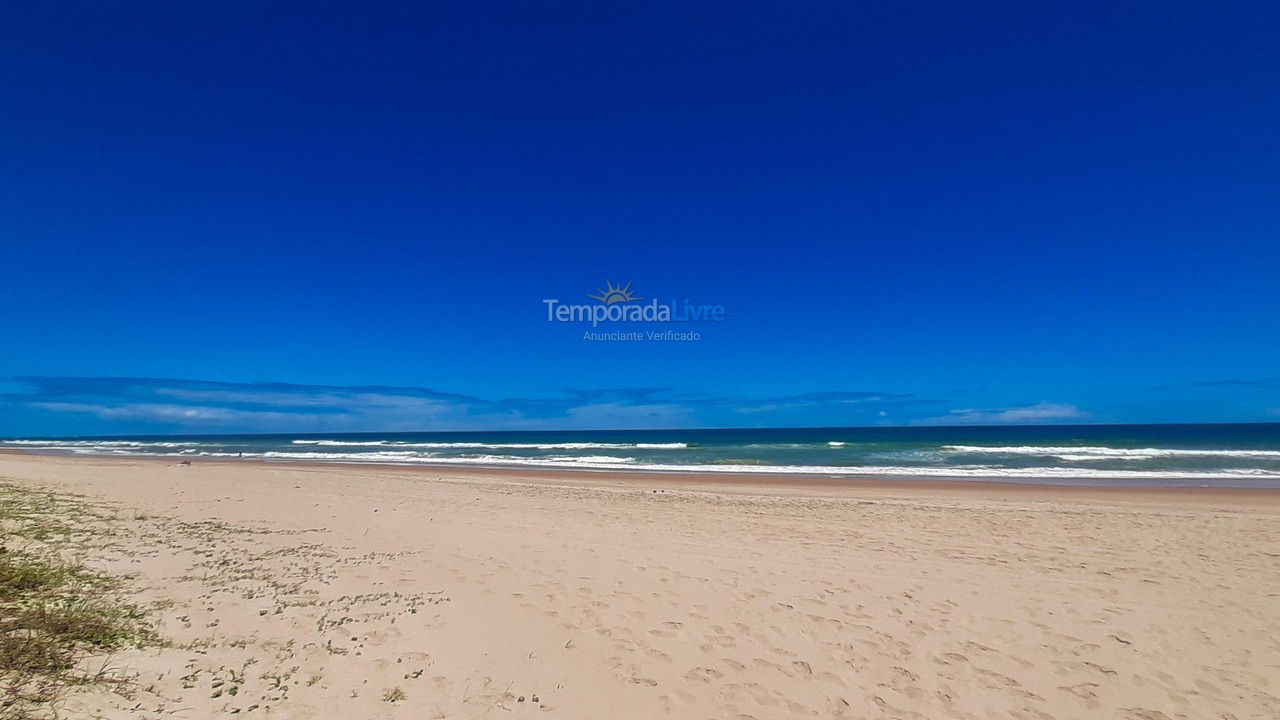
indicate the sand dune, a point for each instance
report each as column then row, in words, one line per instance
column 339, row 592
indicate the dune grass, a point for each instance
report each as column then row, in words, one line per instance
column 59, row 620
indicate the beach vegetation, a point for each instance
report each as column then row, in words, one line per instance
column 59, row 620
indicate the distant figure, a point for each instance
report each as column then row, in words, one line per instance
column 240, row 454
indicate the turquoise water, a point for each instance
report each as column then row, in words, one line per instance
column 1246, row 455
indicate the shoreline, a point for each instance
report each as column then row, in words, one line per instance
column 1131, row 456
column 326, row 591
column 880, row 487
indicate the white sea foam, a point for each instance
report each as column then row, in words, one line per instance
column 75, row 443
column 446, row 454
column 410, row 456
column 1248, row 477
column 373, row 456
column 343, row 443
column 836, row 444
column 493, row 446
column 1081, row 453
column 72, row 444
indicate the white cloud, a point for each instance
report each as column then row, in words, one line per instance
column 149, row 404
column 183, row 414
column 1029, row 414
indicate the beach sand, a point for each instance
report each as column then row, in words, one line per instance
column 307, row 591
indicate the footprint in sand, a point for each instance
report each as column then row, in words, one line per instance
column 703, row 674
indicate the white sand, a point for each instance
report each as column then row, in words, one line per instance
column 318, row 591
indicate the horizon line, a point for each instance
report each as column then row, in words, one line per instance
column 650, row 430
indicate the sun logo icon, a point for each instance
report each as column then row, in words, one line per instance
column 615, row 294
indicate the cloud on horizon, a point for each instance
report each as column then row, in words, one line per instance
column 1043, row 412
column 138, row 405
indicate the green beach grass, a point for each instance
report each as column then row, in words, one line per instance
column 59, row 620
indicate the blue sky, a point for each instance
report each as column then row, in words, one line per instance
column 219, row 218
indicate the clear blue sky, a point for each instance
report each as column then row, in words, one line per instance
column 912, row 213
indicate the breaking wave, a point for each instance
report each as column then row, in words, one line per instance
column 493, row 446
column 1105, row 453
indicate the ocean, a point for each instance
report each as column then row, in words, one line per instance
column 1226, row 455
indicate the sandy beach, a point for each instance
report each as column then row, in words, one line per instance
column 335, row 591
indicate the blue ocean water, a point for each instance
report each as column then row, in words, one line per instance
column 1243, row 455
